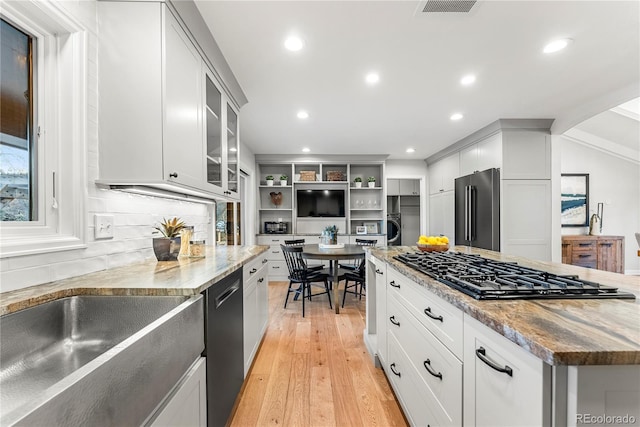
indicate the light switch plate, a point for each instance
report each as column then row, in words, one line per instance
column 103, row 226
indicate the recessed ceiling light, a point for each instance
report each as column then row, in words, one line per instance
column 456, row 116
column 372, row 78
column 467, row 80
column 305, row 150
column 557, row 45
column 293, row 43
column 411, row 150
column 302, row 114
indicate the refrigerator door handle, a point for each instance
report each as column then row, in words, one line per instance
column 467, row 218
column 471, row 214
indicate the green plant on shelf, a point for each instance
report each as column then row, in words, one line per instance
column 283, row 177
column 357, row 179
column 269, row 178
column 371, row 179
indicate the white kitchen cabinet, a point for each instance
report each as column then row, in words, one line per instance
column 154, row 117
column 403, row 187
column 482, row 155
column 443, row 173
column 442, row 214
column 377, row 271
column 255, row 275
column 186, row 404
column 526, row 154
column 504, row 385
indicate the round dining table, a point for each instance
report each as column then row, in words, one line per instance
column 333, row 255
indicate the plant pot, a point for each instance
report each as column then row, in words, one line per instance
column 371, row 184
column 283, row 183
column 270, row 182
column 166, row 249
column 358, row 184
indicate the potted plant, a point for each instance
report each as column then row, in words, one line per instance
column 371, row 181
column 358, row 181
column 283, row 180
column 167, row 248
column 269, row 179
column 331, row 233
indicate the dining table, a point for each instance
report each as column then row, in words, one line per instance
column 333, row 253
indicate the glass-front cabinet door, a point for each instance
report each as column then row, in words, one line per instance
column 232, row 151
column 213, row 113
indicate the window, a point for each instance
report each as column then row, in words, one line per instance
column 18, row 159
column 43, row 128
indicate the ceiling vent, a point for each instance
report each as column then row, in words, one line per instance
column 460, row 6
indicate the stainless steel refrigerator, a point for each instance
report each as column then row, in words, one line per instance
column 477, row 207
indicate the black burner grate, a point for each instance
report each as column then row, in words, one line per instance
column 483, row 278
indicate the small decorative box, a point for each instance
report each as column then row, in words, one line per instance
column 307, row 175
column 335, row 176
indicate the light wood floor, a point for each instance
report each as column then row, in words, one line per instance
column 315, row 371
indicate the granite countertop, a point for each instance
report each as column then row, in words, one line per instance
column 188, row 276
column 560, row 332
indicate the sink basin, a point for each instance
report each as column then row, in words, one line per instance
column 96, row 360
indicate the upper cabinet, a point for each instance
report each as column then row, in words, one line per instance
column 403, row 187
column 442, row 174
column 483, row 155
column 164, row 122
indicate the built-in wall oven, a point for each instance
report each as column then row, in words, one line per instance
column 223, row 347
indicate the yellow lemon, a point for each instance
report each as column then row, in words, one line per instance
column 444, row 239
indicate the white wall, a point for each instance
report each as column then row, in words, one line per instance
column 134, row 215
column 613, row 180
column 248, row 165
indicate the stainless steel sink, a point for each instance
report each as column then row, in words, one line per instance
column 96, row 360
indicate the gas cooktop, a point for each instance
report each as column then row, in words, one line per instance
column 488, row 279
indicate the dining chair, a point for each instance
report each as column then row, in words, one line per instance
column 305, row 277
column 301, row 242
column 355, row 263
column 356, row 273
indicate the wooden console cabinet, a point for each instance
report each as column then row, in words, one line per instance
column 601, row 252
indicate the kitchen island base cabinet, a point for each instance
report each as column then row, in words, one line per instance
column 504, row 385
column 186, row 405
column 255, row 307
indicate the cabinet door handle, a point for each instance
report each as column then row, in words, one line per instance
column 393, row 320
column 173, row 175
column 253, row 270
column 378, row 271
column 393, row 369
column 481, row 353
column 264, row 261
column 427, row 366
column 260, row 280
column 393, row 283
column 427, row 311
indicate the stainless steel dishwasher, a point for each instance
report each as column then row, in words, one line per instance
column 223, row 347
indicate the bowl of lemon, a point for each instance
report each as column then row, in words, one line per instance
column 433, row 243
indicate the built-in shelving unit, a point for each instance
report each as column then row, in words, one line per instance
column 364, row 206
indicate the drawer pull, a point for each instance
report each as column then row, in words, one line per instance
column 481, row 353
column 427, row 311
column 393, row 320
column 275, row 266
column 585, row 244
column 393, row 369
column 253, row 270
column 584, row 255
column 275, row 252
column 427, row 366
column 393, row 283
column 606, row 244
column 378, row 271
column 260, row 280
column 276, row 240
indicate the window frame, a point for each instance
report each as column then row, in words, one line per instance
column 60, row 117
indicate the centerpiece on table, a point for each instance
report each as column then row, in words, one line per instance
column 330, row 235
column 167, row 248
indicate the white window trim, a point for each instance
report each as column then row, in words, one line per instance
column 61, row 114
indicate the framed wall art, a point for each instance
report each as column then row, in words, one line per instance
column 574, row 200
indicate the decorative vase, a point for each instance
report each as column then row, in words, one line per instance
column 166, row 249
column 358, row 184
column 283, row 183
column 371, row 184
column 333, row 239
column 270, row 182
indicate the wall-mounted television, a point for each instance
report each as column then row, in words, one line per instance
column 320, row 203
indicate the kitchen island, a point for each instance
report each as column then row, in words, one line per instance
column 564, row 357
